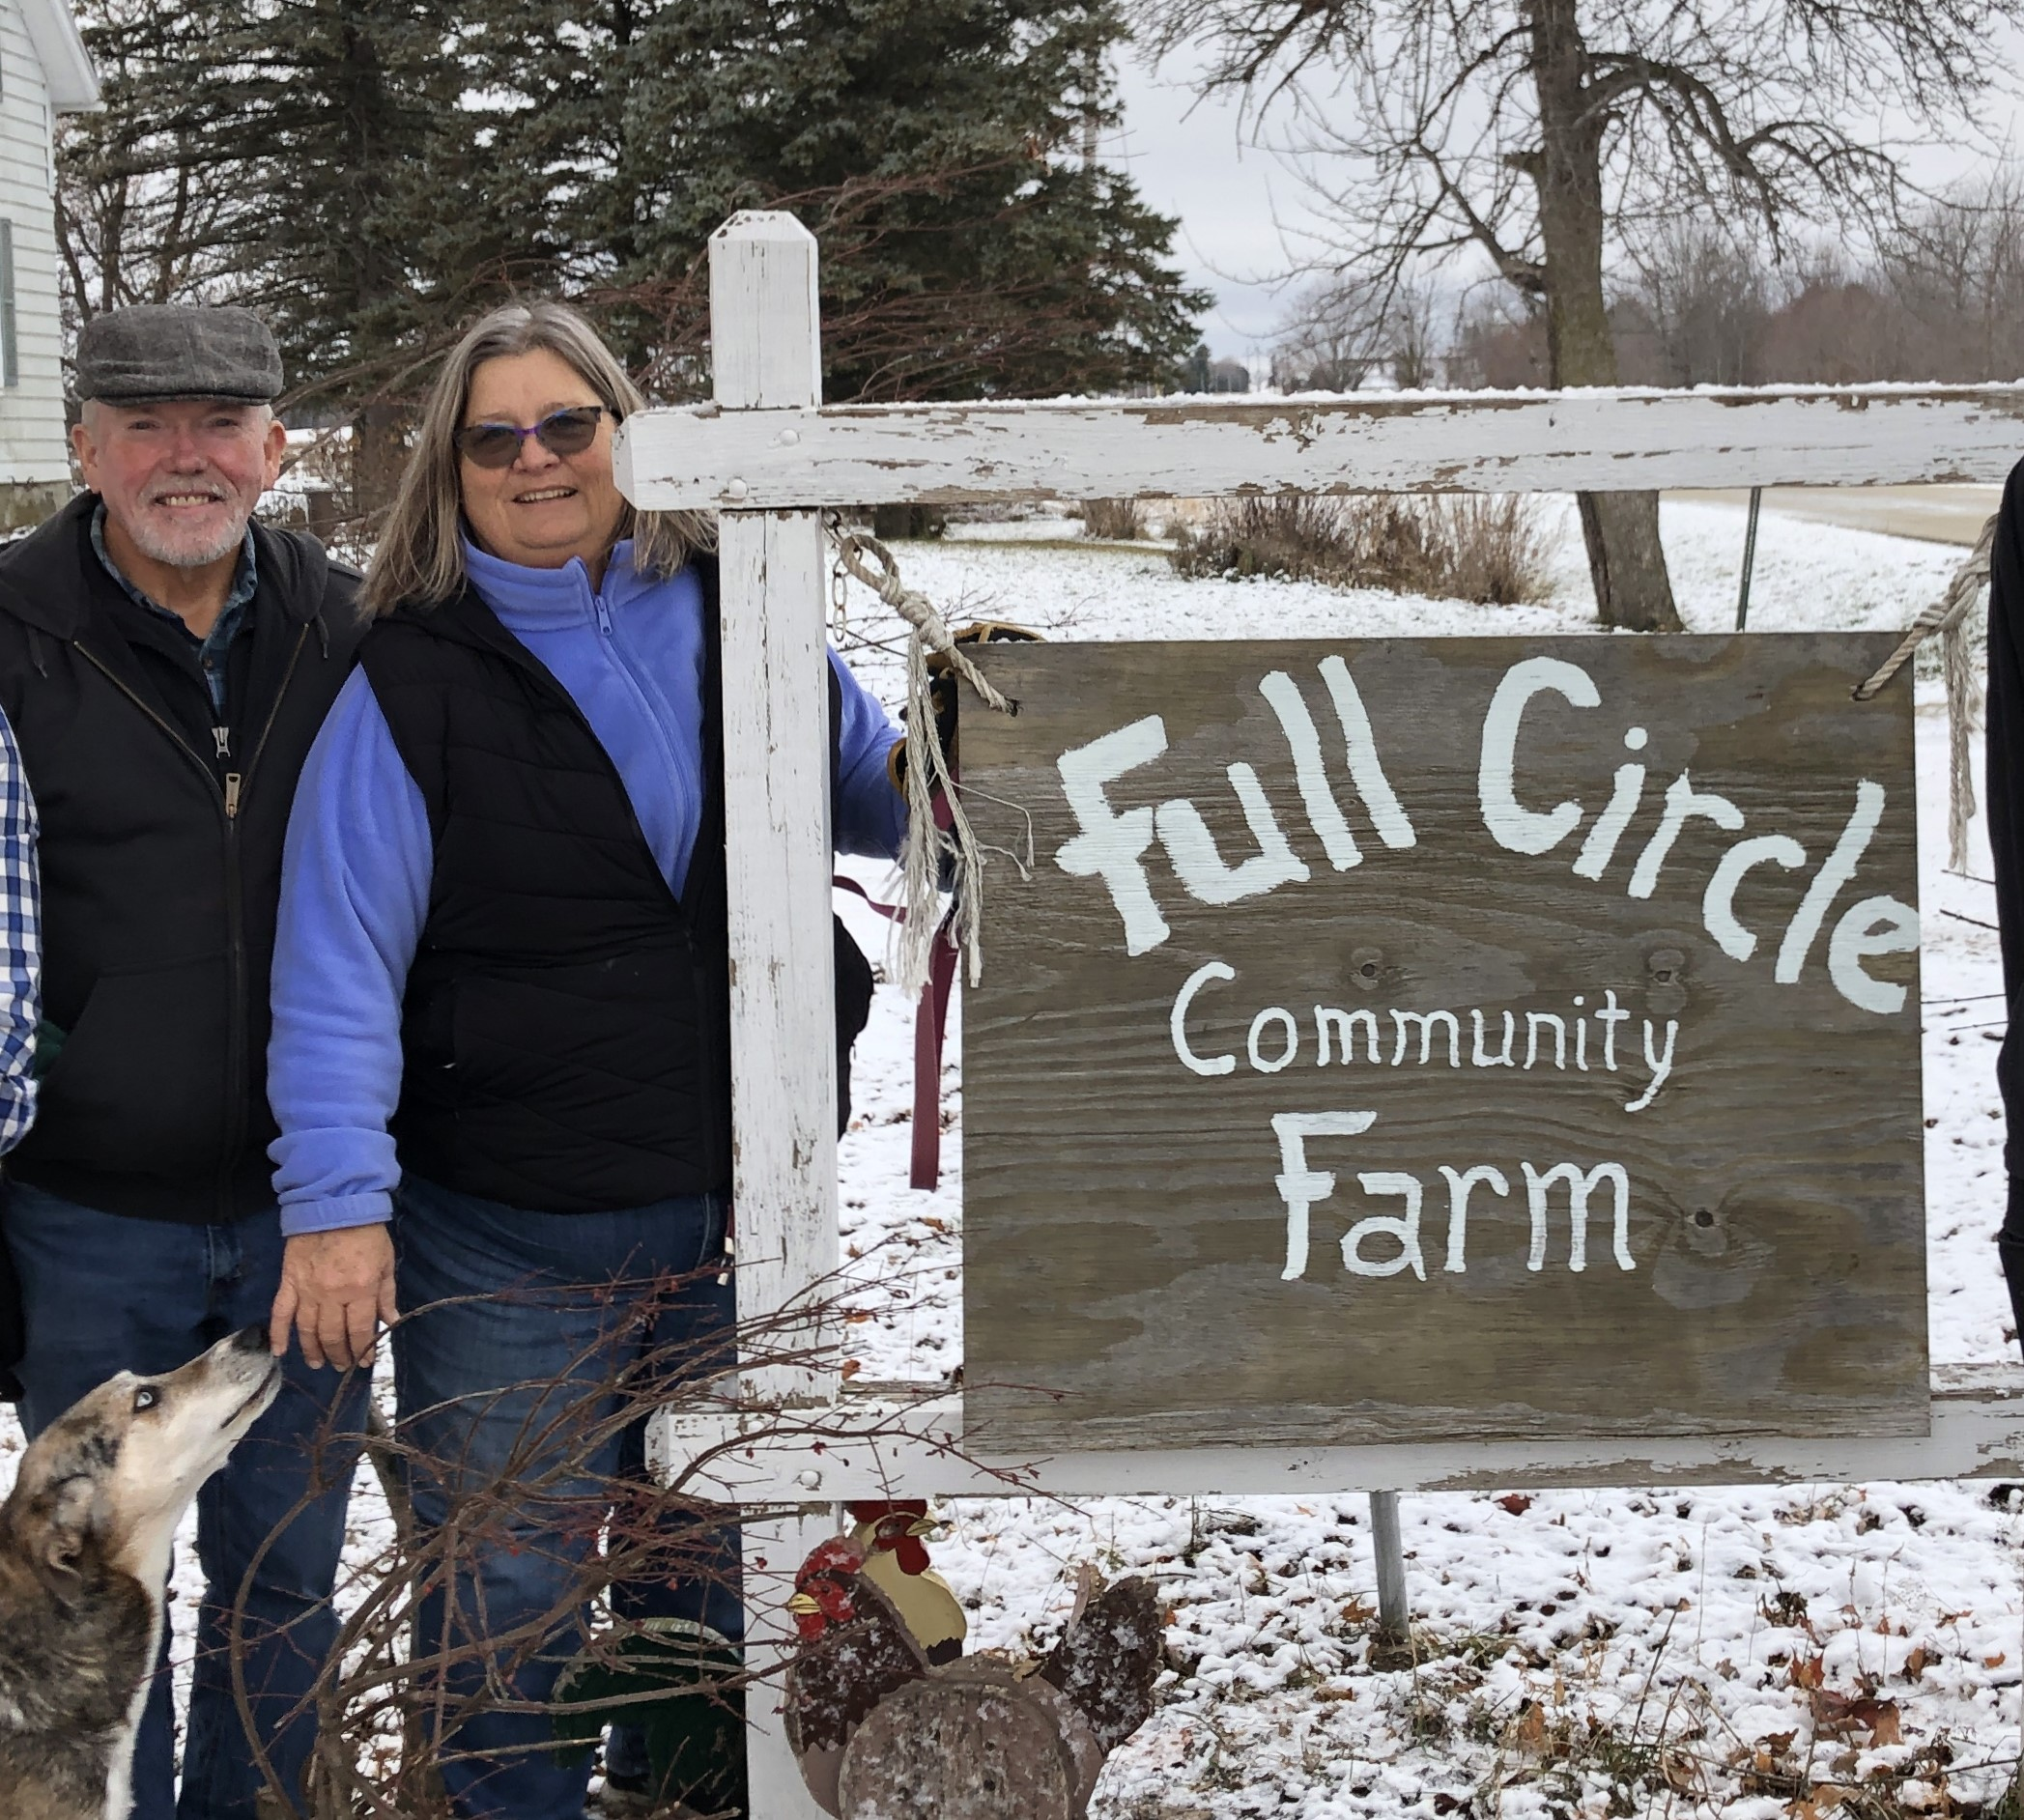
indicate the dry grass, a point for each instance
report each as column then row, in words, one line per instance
column 1490, row 548
column 1114, row 520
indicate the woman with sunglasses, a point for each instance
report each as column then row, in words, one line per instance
column 501, row 1053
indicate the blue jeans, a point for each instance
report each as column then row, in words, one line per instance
column 502, row 1386
column 105, row 1293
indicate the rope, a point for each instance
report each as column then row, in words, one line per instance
column 1949, row 617
column 927, row 772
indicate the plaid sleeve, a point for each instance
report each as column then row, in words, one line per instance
column 20, row 944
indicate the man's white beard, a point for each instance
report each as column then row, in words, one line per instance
column 180, row 552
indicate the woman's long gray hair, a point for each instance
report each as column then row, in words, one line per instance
column 419, row 561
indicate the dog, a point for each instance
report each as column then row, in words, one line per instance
column 84, row 1563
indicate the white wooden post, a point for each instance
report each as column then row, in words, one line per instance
column 765, row 338
column 766, row 348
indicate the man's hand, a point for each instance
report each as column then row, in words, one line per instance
column 336, row 1289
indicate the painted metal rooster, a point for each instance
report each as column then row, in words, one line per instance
column 881, row 1731
column 892, row 1537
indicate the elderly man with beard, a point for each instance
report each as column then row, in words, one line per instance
column 164, row 665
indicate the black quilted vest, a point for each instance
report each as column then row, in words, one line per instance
column 161, row 858
column 567, row 1028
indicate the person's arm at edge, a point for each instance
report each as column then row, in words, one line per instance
column 20, row 944
column 870, row 812
column 355, row 886
column 2003, row 794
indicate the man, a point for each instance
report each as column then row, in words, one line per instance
column 164, row 665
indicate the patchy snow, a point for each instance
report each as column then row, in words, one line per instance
column 1741, row 1652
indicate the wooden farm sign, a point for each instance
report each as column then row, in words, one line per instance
column 1445, row 1038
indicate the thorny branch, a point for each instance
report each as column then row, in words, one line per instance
column 386, row 1711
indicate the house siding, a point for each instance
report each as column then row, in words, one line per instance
column 31, row 438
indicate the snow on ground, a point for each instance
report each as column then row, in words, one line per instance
column 1747, row 1653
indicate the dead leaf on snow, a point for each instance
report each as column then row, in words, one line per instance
column 1515, row 1503
column 1679, row 1773
column 1836, row 1714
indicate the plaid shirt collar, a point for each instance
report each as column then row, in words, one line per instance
column 211, row 648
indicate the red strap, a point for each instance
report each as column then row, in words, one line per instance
column 930, row 1023
column 931, row 1020
column 891, row 911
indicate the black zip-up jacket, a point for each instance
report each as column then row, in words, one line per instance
column 160, row 861
column 2003, row 794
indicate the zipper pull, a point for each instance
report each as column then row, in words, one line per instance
column 223, row 737
column 604, row 617
column 233, row 781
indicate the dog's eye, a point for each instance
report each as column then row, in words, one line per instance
column 146, row 1398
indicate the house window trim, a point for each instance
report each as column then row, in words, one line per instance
column 9, row 318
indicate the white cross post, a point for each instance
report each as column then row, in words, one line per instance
column 766, row 353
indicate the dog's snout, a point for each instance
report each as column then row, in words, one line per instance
column 251, row 1339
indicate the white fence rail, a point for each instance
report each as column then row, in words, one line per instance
column 709, row 458
column 887, row 1441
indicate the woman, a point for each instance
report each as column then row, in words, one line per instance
column 501, row 999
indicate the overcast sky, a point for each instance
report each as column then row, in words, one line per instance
column 1189, row 162
column 1235, row 200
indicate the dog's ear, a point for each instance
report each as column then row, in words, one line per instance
column 62, row 1518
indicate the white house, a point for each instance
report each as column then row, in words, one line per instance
column 45, row 70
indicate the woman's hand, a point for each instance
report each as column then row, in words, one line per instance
column 337, row 1291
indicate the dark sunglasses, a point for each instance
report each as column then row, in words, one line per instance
column 562, row 432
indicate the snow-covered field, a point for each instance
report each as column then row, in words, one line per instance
column 1748, row 1652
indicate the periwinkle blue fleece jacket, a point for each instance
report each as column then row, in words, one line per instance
column 356, row 869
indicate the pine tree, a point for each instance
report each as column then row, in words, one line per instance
column 939, row 150
column 290, row 156
column 370, row 173
column 342, row 116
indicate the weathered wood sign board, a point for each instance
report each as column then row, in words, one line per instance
column 1442, row 1037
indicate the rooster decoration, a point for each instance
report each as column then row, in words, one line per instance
column 882, row 1729
column 895, row 1562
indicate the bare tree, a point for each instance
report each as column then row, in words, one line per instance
column 1956, row 269
column 139, row 216
column 1499, row 342
column 1341, row 331
column 1532, row 133
column 1695, row 314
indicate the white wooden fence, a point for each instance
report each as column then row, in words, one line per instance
column 767, row 456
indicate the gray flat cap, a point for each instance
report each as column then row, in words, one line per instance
column 151, row 351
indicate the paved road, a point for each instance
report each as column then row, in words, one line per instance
column 1940, row 515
